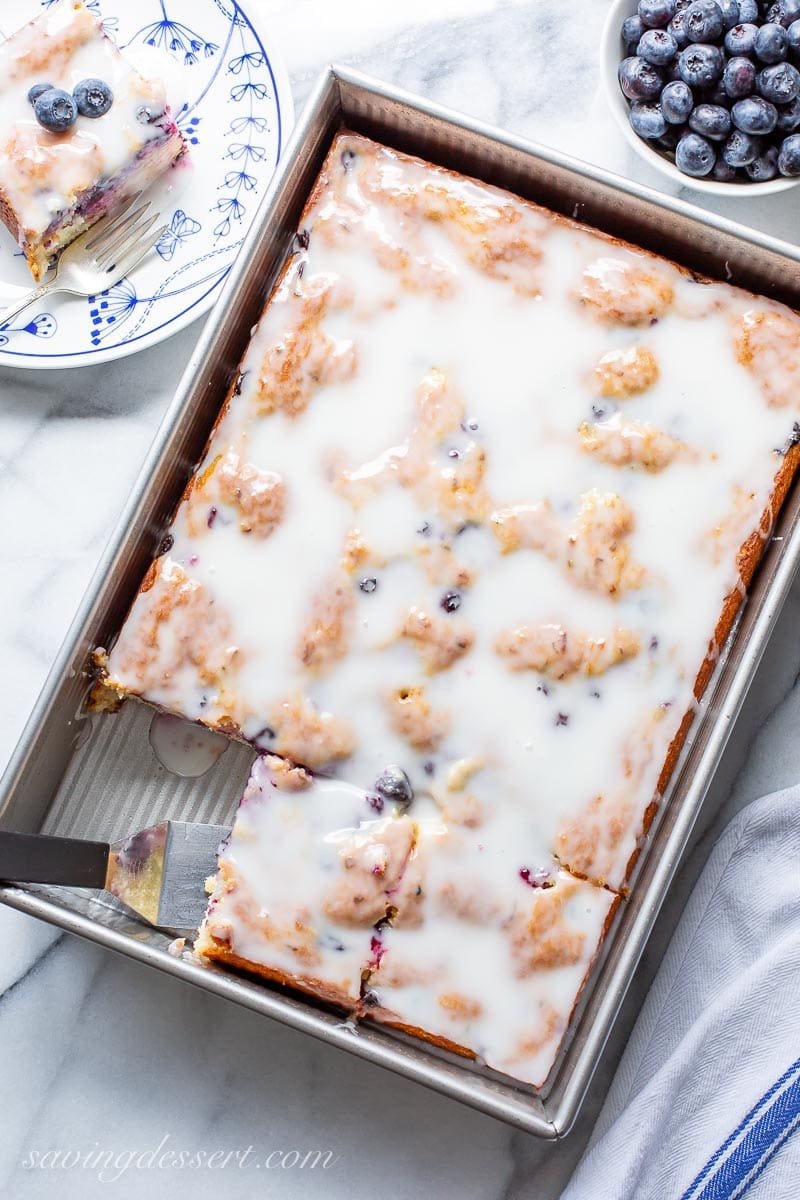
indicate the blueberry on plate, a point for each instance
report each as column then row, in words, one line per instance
column 779, row 83
column 55, row 110
column 765, row 166
column 36, row 91
column 700, row 65
column 754, row 115
column 657, row 47
column 739, row 77
column 741, row 39
column 789, row 116
column 631, row 33
column 677, row 27
column 784, row 12
column 730, row 13
column 748, row 10
column 711, row 121
column 647, row 120
column 722, row 172
column 772, row 43
column 656, row 14
column 741, row 149
column 93, row 97
column 694, row 155
column 704, row 21
column 677, row 102
column 638, row 79
column 789, row 156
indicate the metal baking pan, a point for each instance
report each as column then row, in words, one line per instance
column 95, row 776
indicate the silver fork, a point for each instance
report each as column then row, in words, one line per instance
column 100, row 257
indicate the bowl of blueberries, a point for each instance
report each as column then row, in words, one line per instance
column 708, row 91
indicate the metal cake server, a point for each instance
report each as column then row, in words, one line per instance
column 159, row 872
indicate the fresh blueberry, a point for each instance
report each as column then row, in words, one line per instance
column 638, row 79
column 789, row 116
column 35, row 92
column 700, row 66
column 656, row 14
column 658, row 47
column 754, row 115
column 789, row 156
column 694, row 155
column 394, row 785
column 722, row 173
column 93, row 97
column 741, row 39
column 631, row 33
column 672, row 72
column 677, row 102
column 772, row 43
column 730, row 13
column 739, row 77
column 779, row 83
column 677, row 27
column 748, row 10
column 741, row 149
column 784, row 12
column 711, row 121
column 765, row 166
column 55, row 110
column 647, row 120
column 793, row 34
column 704, row 21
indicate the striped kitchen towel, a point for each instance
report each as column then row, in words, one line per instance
column 705, row 1104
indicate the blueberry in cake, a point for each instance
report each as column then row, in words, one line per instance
column 82, row 130
column 473, row 522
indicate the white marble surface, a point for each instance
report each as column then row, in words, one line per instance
column 102, row 1055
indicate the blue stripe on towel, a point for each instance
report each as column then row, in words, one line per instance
column 741, row 1158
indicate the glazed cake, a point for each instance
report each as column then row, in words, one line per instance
column 53, row 186
column 475, row 518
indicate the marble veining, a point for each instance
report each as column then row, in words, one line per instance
column 100, row 1053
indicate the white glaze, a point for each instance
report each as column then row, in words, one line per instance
column 43, row 172
column 184, row 748
column 457, row 969
column 291, row 874
column 458, row 319
column 524, row 367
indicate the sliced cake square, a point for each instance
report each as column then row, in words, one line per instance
column 55, row 183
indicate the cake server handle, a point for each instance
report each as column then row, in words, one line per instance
column 29, row 298
column 39, row 858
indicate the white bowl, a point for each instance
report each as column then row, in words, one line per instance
column 612, row 53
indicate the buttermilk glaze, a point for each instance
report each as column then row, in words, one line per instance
column 474, row 509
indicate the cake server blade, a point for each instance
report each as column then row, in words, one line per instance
column 159, row 872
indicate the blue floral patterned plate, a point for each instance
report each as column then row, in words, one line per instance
column 231, row 97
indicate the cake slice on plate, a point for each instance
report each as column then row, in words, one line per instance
column 81, row 132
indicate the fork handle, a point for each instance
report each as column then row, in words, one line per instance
column 29, row 298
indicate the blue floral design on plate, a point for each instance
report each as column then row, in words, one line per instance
column 235, row 117
column 181, row 227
